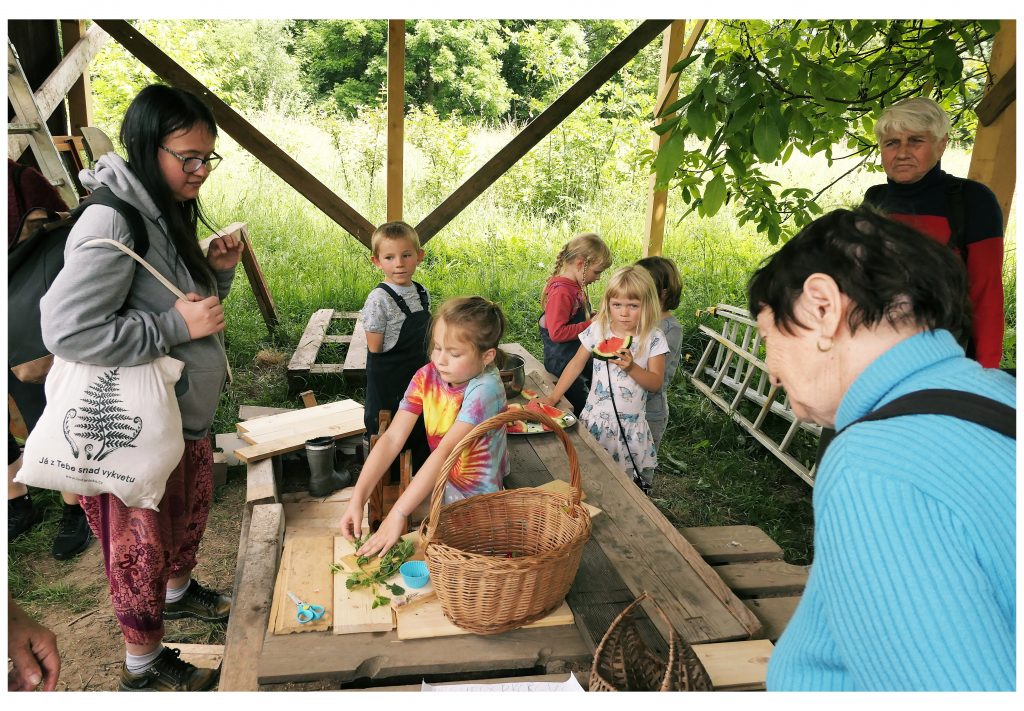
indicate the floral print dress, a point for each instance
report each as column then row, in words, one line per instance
column 630, row 400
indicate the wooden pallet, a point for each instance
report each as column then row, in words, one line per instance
column 731, row 372
column 304, row 361
column 751, row 564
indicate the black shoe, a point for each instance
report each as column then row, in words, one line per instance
column 199, row 602
column 168, row 673
column 73, row 534
column 643, row 485
column 21, row 516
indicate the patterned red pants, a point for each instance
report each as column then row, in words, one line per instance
column 143, row 549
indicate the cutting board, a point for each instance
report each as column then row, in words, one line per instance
column 353, row 609
column 428, row 620
column 306, row 571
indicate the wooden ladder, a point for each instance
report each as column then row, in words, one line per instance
column 30, row 123
column 731, row 365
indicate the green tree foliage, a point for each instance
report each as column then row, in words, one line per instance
column 767, row 88
column 454, row 66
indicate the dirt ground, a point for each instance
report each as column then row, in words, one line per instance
column 90, row 643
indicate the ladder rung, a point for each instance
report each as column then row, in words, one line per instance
column 22, row 127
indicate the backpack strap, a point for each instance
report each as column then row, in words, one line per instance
column 957, row 214
column 136, row 223
column 970, row 407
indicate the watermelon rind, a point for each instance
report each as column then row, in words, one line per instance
column 602, row 351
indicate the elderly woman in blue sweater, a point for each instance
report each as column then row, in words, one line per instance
column 913, row 581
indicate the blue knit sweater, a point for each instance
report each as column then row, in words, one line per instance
column 913, row 582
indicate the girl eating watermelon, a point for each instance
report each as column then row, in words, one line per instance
column 629, row 362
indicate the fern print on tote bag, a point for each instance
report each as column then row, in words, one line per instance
column 107, row 430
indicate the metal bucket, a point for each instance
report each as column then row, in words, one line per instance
column 513, row 375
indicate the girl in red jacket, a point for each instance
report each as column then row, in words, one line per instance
column 566, row 308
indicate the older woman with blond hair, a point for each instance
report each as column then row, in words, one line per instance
column 913, row 581
column 964, row 214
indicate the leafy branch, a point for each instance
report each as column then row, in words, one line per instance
column 371, row 578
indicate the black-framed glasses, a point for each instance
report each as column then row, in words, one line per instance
column 192, row 165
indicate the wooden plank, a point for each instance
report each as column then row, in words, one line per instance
column 774, row 613
column 349, row 419
column 260, row 290
column 254, row 412
column 250, row 608
column 308, row 575
column 312, row 337
column 62, row 79
column 314, row 514
column 668, row 82
column 260, row 484
column 338, row 339
column 296, row 497
column 204, row 656
column 371, row 658
column 355, row 356
column 732, row 544
column 279, row 585
column 247, row 136
column 229, row 442
column 736, row 666
column 297, row 440
column 308, row 399
column 353, row 609
column 540, row 127
column 764, row 578
column 999, row 96
column 96, row 142
column 396, row 117
column 296, row 418
column 79, row 96
column 994, row 142
column 428, row 620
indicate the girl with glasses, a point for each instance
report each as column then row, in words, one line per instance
column 104, row 310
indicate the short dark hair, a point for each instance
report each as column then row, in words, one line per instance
column 156, row 112
column 888, row 269
column 666, row 278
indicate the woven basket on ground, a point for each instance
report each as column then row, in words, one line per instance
column 623, row 662
column 502, row 560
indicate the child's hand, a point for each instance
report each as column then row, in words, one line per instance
column 546, row 399
column 352, row 520
column 624, row 360
column 391, row 529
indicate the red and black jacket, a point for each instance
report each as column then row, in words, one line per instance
column 931, row 206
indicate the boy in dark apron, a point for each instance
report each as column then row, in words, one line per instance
column 391, row 362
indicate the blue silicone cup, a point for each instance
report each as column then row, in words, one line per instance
column 414, row 573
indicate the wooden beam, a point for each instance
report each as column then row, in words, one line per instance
column 80, row 94
column 540, row 127
column 995, row 145
column 673, row 84
column 62, row 79
column 396, row 117
column 247, row 136
column 657, row 200
column 1001, row 95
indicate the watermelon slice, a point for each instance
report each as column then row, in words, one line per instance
column 552, row 412
column 609, row 347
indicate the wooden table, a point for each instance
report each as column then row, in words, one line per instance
column 632, row 548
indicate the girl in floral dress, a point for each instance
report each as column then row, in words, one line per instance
column 615, row 410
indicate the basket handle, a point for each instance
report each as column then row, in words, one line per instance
column 429, row 524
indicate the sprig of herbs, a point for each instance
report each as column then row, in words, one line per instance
column 389, row 565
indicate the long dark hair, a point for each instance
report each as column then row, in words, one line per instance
column 155, row 113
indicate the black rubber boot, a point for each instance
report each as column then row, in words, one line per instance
column 323, row 478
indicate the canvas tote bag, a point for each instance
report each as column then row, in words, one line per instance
column 108, row 430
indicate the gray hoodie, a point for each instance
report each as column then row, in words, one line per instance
column 106, row 309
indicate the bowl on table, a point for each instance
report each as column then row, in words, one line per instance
column 414, row 573
column 513, row 375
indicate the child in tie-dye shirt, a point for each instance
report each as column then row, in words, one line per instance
column 458, row 389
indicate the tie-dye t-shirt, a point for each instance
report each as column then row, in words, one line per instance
column 481, row 468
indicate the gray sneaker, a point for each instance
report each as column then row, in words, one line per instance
column 168, row 673
column 201, row 603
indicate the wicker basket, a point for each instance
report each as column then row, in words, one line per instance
column 623, row 662
column 502, row 560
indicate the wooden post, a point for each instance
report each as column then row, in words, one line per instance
column 668, row 89
column 396, row 117
column 993, row 159
column 80, row 94
column 654, row 231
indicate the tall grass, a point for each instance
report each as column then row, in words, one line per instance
column 501, row 248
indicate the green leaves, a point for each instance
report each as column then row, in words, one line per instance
column 714, row 196
column 669, row 157
column 767, row 142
